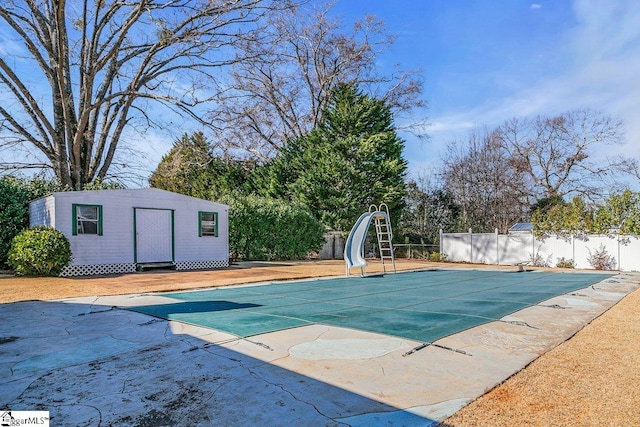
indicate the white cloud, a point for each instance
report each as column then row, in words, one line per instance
column 604, row 64
column 535, row 6
column 450, row 124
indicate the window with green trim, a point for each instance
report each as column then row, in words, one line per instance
column 207, row 224
column 87, row 219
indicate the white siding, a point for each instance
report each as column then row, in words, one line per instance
column 41, row 212
column 116, row 245
column 188, row 246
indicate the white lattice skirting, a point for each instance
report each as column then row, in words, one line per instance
column 202, row 265
column 100, row 269
column 95, row 270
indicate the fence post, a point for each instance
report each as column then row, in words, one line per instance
column 619, row 263
column 533, row 248
column 497, row 248
column 440, row 241
column 471, row 245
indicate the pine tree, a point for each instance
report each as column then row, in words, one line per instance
column 191, row 168
column 351, row 160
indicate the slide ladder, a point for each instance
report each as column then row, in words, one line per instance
column 354, row 247
column 385, row 236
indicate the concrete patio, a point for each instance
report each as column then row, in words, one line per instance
column 89, row 361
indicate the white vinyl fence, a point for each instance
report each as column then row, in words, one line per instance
column 523, row 247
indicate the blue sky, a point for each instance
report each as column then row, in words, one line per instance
column 486, row 61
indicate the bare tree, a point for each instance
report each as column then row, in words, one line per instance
column 557, row 153
column 631, row 166
column 294, row 63
column 488, row 191
column 430, row 207
column 101, row 60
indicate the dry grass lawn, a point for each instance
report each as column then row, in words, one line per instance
column 40, row 288
column 592, row 379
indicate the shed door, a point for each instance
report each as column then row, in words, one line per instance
column 154, row 235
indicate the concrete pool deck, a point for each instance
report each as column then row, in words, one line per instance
column 90, row 362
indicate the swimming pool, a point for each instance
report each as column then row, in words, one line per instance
column 422, row 305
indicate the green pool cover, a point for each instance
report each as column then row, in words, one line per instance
column 422, row 306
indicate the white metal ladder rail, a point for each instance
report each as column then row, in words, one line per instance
column 385, row 237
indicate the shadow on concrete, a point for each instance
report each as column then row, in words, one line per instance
column 97, row 366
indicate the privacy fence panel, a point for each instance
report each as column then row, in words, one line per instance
column 457, row 246
column 629, row 254
column 550, row 250
column 590, row 245
column 483, row 248
column 514, row 248
column 524, row 247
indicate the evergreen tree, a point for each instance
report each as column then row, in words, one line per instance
column 564, row 219
column 351, row 160
column 619, row 214
column 191, row 168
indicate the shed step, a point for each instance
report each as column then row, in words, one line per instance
column 145, row 266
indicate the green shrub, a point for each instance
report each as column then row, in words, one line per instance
column 15, row 194
column 437, row 257
column 269, row 229
column 565, row 263
column 39, row 251
column 14, row 213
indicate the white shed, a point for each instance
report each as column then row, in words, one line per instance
column 119, row 231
